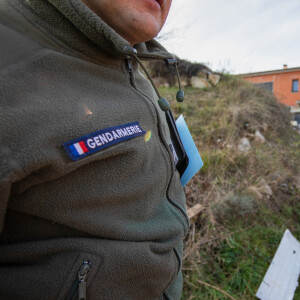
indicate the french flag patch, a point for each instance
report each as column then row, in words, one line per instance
column 96, row 141
column 78, row 149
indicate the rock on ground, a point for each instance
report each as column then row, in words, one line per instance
column 244, row 145
column 259, row 137
column 214, row 78
column 199, row 82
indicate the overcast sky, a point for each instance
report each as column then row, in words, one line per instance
column 234, row 35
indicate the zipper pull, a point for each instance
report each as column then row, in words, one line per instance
column 129, row 65
column 82, row 290
column 85, row 268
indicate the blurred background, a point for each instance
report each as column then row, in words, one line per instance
column 242, row 106
column 236, row 36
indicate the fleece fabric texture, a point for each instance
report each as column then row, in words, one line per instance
column 63, row 75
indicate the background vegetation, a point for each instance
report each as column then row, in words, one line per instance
column 250, row 197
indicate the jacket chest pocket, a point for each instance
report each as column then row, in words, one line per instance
column 50, row 278
column 79, row 277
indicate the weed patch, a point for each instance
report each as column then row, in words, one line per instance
column 249, row 197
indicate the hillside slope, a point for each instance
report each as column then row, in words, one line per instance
column 249, row 186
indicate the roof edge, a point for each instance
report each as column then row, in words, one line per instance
column 270, row 72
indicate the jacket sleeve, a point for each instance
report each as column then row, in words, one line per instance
column 4, row 196
column 4, row 190
column 8, row 174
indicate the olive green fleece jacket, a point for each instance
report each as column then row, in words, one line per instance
column 113, row 220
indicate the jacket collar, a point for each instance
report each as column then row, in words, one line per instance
column 80, row 28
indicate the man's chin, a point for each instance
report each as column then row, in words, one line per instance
column 147, row 30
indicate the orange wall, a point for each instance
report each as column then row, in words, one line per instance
column 282, row 85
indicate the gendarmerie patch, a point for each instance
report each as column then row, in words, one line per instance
column 98, row 140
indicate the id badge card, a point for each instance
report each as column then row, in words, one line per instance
column 195, row 162
column 180, row 156
column 186, row 156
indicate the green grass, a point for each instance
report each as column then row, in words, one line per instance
column 238, row 263
column 231, row 245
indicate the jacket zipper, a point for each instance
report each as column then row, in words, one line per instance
column 130, row 71
column 166, row 149
column 80, row 282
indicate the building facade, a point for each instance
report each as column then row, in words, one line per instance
column 283, row 83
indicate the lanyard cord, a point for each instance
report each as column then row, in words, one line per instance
column 162, row 102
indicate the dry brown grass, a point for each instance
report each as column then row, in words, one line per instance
column 233, row 185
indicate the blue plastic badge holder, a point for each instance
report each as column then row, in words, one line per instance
column 195, row 161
